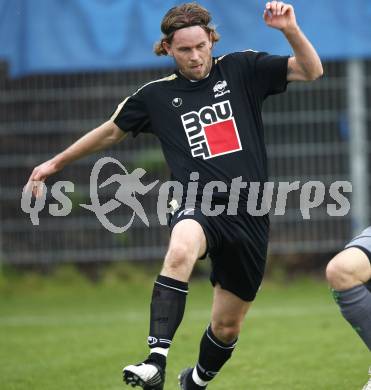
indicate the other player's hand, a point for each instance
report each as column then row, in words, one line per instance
column 40, row 174
column 279, row 15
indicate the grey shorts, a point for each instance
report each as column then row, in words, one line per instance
column 362, row 242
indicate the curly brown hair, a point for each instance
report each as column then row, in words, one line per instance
column 181, row 16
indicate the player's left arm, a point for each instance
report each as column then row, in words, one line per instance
column 305, row 65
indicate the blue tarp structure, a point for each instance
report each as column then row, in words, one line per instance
column 38, row 36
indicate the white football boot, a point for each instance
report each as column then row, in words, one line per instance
column 147, row 375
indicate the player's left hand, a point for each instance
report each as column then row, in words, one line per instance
column 279, row 15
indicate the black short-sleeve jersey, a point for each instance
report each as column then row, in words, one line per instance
column 212, row 126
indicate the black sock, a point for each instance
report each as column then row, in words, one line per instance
column 191, row 385
column 158, row 359
column 213, row 354
column 167, row 309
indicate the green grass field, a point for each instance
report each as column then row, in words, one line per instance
column 64, row 333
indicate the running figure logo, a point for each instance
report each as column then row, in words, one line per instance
column 130, row 184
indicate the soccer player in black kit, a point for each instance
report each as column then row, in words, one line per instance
column 207, row 116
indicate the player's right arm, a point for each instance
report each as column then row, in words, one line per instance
column 97, row 139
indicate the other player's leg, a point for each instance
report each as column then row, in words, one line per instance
column 218, row 340
column 348, row 273
column 187, row 244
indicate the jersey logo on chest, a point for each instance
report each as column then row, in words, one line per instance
column 220, row 89
column 212, row 131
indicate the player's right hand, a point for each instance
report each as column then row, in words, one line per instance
column 40, row 174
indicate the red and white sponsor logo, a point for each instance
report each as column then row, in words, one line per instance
column 212, row 131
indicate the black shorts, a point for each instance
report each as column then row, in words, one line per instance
column 237, row 246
